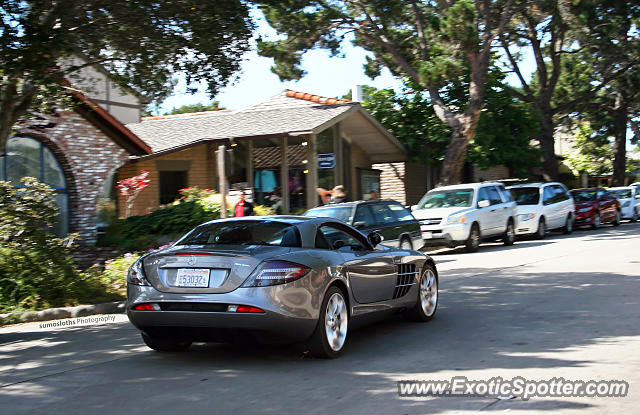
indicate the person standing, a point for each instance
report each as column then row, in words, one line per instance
column 243, row 207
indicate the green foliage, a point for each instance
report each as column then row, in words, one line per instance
column 190, row 194
column 592, row 153
column 188, row 108
column 36, row 268
column 114, row 275
column 142, row 44
column 261, row 210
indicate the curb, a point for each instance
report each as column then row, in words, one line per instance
column 116, row 307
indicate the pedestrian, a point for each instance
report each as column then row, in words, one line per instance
column 243, row 207
column 338, row 194
column 373, row 195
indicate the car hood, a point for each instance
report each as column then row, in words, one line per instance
column 234, row 262
column 439, row 212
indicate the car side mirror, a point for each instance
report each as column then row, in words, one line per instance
column 375, row 238
column 359, row 224
column 483, row 204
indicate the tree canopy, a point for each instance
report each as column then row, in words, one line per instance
column 200, row 107
column 437, row 45
column 141, row 44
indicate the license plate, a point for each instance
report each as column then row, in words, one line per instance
column 193, row 277
column 427, row 235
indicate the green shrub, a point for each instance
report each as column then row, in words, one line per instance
column 36, row 268
column 261, row 210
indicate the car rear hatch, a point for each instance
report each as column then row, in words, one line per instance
column 202, row 270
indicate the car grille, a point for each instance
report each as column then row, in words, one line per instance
column 206, row 307
column 431, row 221
column 407, row 275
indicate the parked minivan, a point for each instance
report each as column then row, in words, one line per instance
column 543, row 207
column 465, row 214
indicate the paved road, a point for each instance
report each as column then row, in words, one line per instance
column 565, row 306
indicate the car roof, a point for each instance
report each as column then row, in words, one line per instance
column 589, row 189
column 534, row 184
column 621, row 188
column 355, row 202
column 465, row 186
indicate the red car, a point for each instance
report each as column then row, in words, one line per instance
column 595, row 206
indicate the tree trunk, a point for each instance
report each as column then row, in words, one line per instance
column 620, row 143
column 461, row 135
column 13, row 105
column 547, row 144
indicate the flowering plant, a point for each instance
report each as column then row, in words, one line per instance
column 132, row 187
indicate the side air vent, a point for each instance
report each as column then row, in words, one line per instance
column 407, row 276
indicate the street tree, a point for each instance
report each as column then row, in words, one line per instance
column 200, row 107
column 435, row 44
column 141, row 44
column 568, row 39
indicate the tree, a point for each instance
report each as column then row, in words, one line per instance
column 567, row 39
column 505, row 129
column 613, row 109
column 141, row 44
column 132, row 187
column 188, row 108
column 434, row 44
column 592, row 151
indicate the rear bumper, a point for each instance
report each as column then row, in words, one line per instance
column 288, row 314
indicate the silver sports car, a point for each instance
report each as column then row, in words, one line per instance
column 274, row 279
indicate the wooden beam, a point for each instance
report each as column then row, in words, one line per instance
column 284, row 176
column 312, row 172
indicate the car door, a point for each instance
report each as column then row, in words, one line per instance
column 562, row 206
column 498, row 210
column 607, row 205
column 548, row 206
column 406, row 224
column 372, row 274
column 486, row 218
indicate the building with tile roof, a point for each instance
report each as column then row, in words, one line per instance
column 274, row 142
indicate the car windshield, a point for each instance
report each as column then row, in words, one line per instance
column 342, row 213
column 447, row 198
column 526, row 195
column 584, row 195
column 621, row 193
column 243, row 232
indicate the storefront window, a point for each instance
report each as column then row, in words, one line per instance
column 298, row 165
column 266, row 168
column 28, row 157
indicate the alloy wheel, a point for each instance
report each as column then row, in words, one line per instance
column 429, row 293
column 335, row 322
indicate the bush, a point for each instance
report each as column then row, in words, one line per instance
column 36, row 268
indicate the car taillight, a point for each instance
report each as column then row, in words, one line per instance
column 244, row 309
column 276, row 272
column 146, row 307
column 136, row 274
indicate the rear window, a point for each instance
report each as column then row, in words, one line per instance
column 584, row 195
column 402, row 214
column 342, row 213
column 526, row 195
column 621, row 193
column 253, row 232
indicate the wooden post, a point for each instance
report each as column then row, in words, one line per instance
column 312, row 174
column 337, row 148
column 222, row 180
column 250, row 169
column 284, row 176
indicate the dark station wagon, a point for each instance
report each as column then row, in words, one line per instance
column 391, row 219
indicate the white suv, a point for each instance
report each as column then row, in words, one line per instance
column 543, row 207
column 629, row 198
column 463, row 214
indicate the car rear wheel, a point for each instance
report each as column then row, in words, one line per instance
column 509, row 237
column 330, row 334
column 568, row 225
column 406, row 244
column 635, row 215
column 166, row 344
column 473, row 241
column 596, row 221
column 542, row 229
column 618, row 218
column 425, row 307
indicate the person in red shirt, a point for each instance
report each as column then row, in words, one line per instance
column 243, row 208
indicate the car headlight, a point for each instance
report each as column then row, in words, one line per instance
column 456, row 219
column 275, row 273
column 526, row 216
column 626, row 204
column 583, row 210
column 135, row 275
